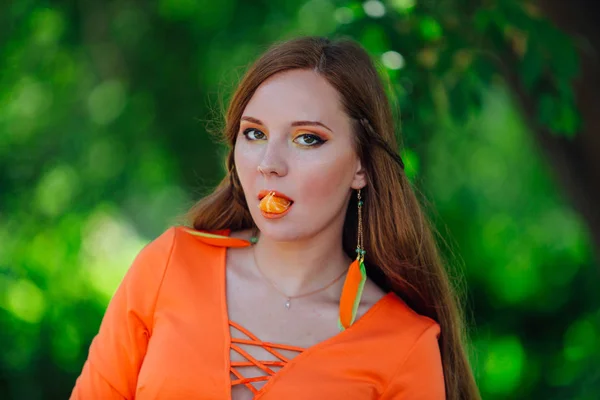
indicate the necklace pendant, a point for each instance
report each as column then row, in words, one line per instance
column 288, row 303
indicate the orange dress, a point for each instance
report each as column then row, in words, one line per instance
column 166, row 335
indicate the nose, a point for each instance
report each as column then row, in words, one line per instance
column 273, row 161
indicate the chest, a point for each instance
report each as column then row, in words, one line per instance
column 179, row 364
column 268, row 329
column 191, row 352
column 304, row 322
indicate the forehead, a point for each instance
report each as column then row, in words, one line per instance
column 296, row 95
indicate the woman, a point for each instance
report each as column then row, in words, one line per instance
column 310, row 272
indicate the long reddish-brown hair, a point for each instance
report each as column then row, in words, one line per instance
column 401, row 251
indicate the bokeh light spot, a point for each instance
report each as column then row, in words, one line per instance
column 374, row 8
column 344, row 15
column 317, row 17
column 106, row 102
column 403, row 5
column 430, row 29
column 56, row 189
column 581, row 340
column 25, row 301
column 47, row 26
column 393, row 60
column 503, row 365
column 29, row 98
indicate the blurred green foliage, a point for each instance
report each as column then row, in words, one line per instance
column 104, row 108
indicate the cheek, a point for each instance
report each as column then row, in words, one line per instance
column 327, row 181
column 245, row 161
column 244, row 157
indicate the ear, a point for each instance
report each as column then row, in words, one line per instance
column 360, row 177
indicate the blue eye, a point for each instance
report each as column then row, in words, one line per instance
column 253, row 134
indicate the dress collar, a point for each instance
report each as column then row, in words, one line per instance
column 219, row 238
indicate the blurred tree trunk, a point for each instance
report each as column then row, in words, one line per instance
column 576, row 161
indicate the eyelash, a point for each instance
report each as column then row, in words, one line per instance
column 318, row 140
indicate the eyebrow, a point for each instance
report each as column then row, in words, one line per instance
column 295, row 123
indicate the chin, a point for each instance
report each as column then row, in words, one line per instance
column 280, row 230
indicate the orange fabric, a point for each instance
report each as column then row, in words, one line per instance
column 270, row 347
column 166, row 335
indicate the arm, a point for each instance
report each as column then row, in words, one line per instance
column 420, row 376
column 116, row 353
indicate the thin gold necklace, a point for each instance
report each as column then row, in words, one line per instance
column 288, row 302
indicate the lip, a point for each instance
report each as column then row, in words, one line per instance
column 275, row 216
column 263, row 193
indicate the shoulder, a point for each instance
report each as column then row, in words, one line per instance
column 152, row 259
column 412, row 321
column 391, row 323
column 394, row 314
column 396, row 318
column 170, row 247
column 181, row 248
column 415, row 368
column 174, row 260
column 160, row 250
column 394, row 322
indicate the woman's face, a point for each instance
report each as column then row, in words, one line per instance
column 296, row 139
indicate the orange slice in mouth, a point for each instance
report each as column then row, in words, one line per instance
column 273, row 204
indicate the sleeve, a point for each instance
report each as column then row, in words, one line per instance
column 117, row 351
column 420, row 376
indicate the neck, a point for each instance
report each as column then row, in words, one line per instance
column 300, row 266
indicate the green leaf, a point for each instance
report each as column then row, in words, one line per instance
column 375, row 39
column 532, row 67
column 546, row 110
column 430, row 29
column 562, row 118
column 564, row 59
column 482, row 19
column 567, row 120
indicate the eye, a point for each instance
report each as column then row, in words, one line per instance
column 253, row 134
column 308, row 139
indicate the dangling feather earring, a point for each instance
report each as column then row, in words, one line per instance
column 355, row 281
